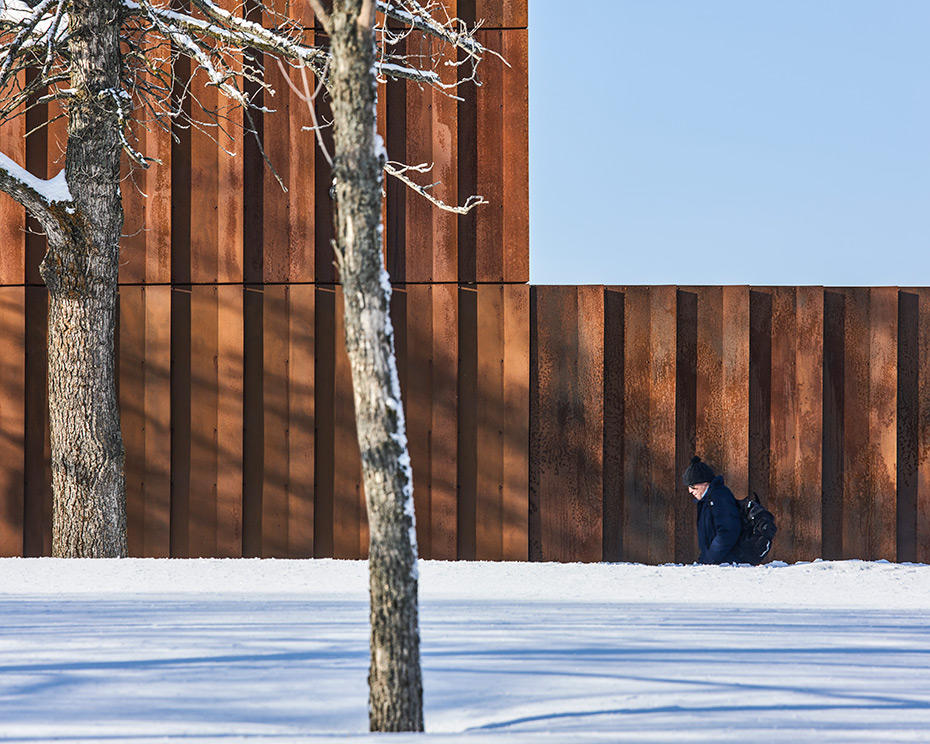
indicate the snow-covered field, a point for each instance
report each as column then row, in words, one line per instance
column 277, row 651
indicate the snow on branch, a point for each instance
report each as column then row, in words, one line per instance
column 36, row 194
column 399, row 171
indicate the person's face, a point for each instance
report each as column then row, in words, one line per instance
column 698, row 490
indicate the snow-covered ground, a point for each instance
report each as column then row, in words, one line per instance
column 277, row 651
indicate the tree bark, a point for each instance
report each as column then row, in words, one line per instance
column 81, row 271
column 395, row 683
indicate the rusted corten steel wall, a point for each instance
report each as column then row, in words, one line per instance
column 817, row 399
column 237, row 409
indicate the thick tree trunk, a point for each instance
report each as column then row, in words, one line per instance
column 80, row 270
column 395, row 685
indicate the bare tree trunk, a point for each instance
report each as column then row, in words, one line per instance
column 80, row 270
column 395, row 684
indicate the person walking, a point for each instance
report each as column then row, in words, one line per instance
column 718, row 520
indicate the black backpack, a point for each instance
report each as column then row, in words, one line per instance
column 759, row 530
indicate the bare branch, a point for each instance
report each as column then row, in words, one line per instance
column 308, row 99
column 36, row 194
column 399, row 172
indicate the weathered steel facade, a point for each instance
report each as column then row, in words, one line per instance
column 817, row 399
column 544, row 423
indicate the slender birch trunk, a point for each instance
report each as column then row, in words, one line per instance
column 395, row 684
column 80, row 270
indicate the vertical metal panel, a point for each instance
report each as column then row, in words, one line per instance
column 807, row 513
column 202, row 505
column 285, row 502
column 230, row 182
column 907, row 424
column 145, row 405
column 324, row 409
column 275, row 426
column 467, row 448
column 568, row 466
column 834, row 406
column 12, row 418
column 215, row 501
column 37, row 516
column 637, row 489
column 763, row 401
column 444, row 157
column 662, row 431
column 145, row 248
column 467, row 147
column 302, row 157
column 857, row 502
column 537, row 452
column 204, row 196
column 516, row 398
column 490, row 105
column 501, row 247
column 922, row 538
column 515, row 211
column 12, row 213
column 157, row 473
column 883, row 406
column 229, row 209
column 428, row 359
column 490, row 424
column 443, row 526
column 132, row 242
column 229, row 422
column 158, row 188
column 181, row 388
column 430, row 243
column 685, row 424
column 709, row 431
column 736, row 388
column 131, row 365
column 614, row 376
column 253, row 415
column 275, row 203
column 181, row 192
column 783, row 373
column 301, row 415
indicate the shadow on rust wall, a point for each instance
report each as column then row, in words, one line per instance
column 816, row 399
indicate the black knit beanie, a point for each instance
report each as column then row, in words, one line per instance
column 697, row 472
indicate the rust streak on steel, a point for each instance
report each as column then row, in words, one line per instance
column 301, row 389
column 808, row 515
column 132, row 410
column 275, row 412
column 12, row 418
column 883, row 409
column 516, row 411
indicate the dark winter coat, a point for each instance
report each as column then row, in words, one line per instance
column 718, row 524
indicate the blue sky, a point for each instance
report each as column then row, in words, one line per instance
column 730, row 142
